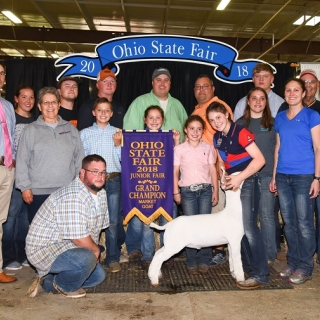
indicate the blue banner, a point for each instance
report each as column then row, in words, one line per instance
column 147, row 175
column 113, row 52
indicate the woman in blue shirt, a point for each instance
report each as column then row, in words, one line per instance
column 296, row 179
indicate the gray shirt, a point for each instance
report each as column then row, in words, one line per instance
column 48, row 158
column 265, row 141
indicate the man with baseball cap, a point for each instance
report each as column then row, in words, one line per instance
column 106, row 86
column 310, row 79
column 174, row 113
column 68, row 91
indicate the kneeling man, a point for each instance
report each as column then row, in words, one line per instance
column 62, row 242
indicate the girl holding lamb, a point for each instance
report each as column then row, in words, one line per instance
column 238, row 152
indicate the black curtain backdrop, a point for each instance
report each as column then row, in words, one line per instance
column 134, row 79
column 35, row 72
column 38, row 73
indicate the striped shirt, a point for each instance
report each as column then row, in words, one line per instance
column 69, row 213
column 99, row 141
column 232, row 147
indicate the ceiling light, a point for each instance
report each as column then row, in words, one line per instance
column 312, row 22
column 54, row 56
column 222, row 5
column 11, row 16
column 12, row 52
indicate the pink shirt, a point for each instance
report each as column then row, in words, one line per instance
column 194, row 163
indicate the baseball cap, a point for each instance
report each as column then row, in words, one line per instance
column 308, row 71
column 158, row 72
column 106, row 73
column 63, row 79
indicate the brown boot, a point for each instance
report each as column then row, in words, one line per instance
column 4, row 278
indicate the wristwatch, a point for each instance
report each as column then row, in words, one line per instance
column 316, row 178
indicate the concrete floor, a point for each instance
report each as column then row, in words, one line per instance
column 301, row 303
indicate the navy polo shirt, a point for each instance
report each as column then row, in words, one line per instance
column 231, row 147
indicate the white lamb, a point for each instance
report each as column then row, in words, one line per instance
column 204, row 230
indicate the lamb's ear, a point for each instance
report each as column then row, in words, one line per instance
column 223, row 178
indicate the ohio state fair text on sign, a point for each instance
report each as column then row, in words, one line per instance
column 147, row 175
column 113, row 52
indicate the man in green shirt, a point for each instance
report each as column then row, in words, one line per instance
column 174, row 113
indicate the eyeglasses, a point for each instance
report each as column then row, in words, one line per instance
column 50, row 103
column 205, row 87
column 310, row 81
column 97, row 173
column 2, row 73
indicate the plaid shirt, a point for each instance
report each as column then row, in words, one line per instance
column 69, row 213
column 99, row 141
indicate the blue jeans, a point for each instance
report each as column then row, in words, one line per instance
column 193, row 203
column 15, row 230
column 115, row 235
column 252, row 247
column 134, row 235
column 298, row 213
column 138, row 231
column 140, row 238
column 277, row 222
column 317, row 212
column 267, row 219
column 34, row 206
column 74, row 269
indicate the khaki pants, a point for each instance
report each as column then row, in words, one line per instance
column 6, row 184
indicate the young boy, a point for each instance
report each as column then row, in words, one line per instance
column 262, row 76
column 103, row 139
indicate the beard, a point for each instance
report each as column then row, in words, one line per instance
column 94, row 187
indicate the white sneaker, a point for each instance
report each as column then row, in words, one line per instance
column 15, row 265
column 25, row 263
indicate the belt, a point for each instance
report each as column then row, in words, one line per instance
column 112, row 175
column 2, row 161
column 196, row 187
